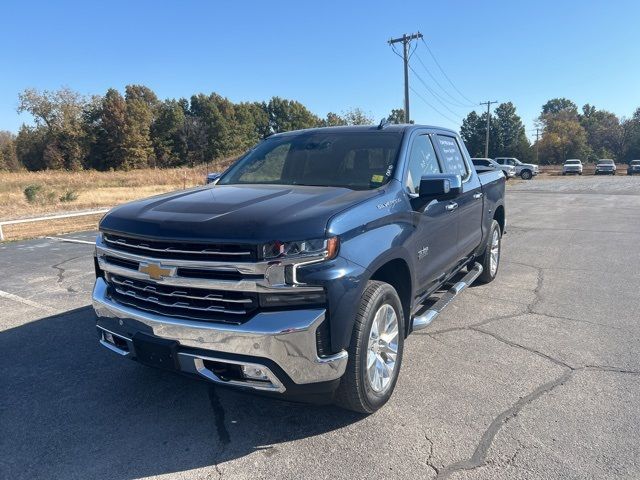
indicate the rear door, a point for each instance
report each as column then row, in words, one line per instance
column 434, row 243
column 470, row 202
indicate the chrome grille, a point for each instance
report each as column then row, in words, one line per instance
column 181, row 250
column 193, row 303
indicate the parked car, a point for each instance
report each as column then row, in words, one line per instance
column 524, row 170
column 634, row 167
column 572, row 166
column 302, row 270
column 489, row 165
column 605, row 166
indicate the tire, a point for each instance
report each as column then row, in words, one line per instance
column 488, row 272
column 358, row 390
column 564, row 174
column 526, row 175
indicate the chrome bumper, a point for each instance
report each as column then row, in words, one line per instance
column 288, row 338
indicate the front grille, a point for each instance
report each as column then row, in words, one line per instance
column 182, row 250
column 182, row 302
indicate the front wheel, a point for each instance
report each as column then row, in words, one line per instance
column 375, row 352
column 490, row 259
column 526, row 174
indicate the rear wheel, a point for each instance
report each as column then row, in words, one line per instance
column 375, row 352
column 490, row 259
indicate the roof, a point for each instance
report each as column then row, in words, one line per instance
column 403, row 127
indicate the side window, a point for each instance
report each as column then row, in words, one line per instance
column 500, row 161
column 453, row 159
column 422, row 161
column 512, row 163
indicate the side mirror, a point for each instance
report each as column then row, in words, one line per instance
column 441, row 187
column 213, row 177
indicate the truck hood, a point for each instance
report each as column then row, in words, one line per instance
column 239, row 213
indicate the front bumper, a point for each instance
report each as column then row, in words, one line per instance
column 283, row 344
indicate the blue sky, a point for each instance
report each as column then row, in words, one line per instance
column 329, row 55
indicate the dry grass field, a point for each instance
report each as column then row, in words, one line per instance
column 84, row 190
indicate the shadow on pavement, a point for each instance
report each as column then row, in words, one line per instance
column 70, row 409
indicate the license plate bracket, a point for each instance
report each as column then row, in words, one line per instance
column 156, row 352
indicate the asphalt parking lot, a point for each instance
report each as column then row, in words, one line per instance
column 536, row 375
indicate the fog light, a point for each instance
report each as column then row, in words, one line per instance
column 108, row 338
column 254, row 373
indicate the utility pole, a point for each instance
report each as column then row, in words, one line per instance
column 488, row 103
column 537, row 134
column 406, row 40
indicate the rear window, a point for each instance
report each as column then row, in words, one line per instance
column 573, row 162
column 452, row 156
column 635, row 162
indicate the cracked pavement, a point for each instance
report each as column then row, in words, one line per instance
column 536, row 375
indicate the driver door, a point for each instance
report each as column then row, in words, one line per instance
column 433, row 244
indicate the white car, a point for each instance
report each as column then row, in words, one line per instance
column 572, row 166
column 488, row 165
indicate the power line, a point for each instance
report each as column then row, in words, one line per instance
column 435, row 95
column 453, row 100
column 445, row 75
column 433, row 108
column 405, row 40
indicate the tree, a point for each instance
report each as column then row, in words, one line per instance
column 141, row 104
column 286, row 115
column 473, row 134
column 59, row 115
column 508, row 136
column 631, row 135
column 107, row 127
column 168, row 134
column 356, row 116
column 605, row 133
column 396, row 116
column 8, row 156
column 563, row 136
column 333, row 120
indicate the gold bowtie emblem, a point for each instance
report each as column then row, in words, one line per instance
column 155, row 271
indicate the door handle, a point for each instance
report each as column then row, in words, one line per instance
column 451, row 206
column 478, row 195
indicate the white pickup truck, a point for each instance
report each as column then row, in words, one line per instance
column 526, row 171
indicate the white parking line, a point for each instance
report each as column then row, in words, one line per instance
column 26, row 301
column 71, row 240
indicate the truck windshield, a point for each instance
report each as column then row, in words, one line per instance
column 572, row 162
column 355, row 160
column 605, row 162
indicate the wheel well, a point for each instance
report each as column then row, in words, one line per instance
column 499, row 217
column 397, row 274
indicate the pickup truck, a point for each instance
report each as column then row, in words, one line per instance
column 526, row 171
column 300, row 271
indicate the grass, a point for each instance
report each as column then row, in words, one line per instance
column 60, row 191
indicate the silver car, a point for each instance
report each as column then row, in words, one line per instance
column 489, row 165
column 572, row 166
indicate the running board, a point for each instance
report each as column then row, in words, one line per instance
column 422, row 321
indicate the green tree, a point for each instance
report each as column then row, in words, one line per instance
column 59, row 117
column 141, row 105
column 396, row 116
column 563, row 136
column 106, row 123
column 473, row 133
column 333, row 120
column 8, row 156
column 286, row 115
column 168, row 134
column 631, row 135
column 605, row 133
column 356, row 116
column 508, row 136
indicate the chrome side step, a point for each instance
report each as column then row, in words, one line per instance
column 422, row 321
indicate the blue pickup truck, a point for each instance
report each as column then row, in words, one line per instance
column 300, row 271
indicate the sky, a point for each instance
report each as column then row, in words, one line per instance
column 331, row 56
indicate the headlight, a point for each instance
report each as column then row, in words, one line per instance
column 320, row 247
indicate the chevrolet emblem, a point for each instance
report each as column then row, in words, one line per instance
column 156, row 271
